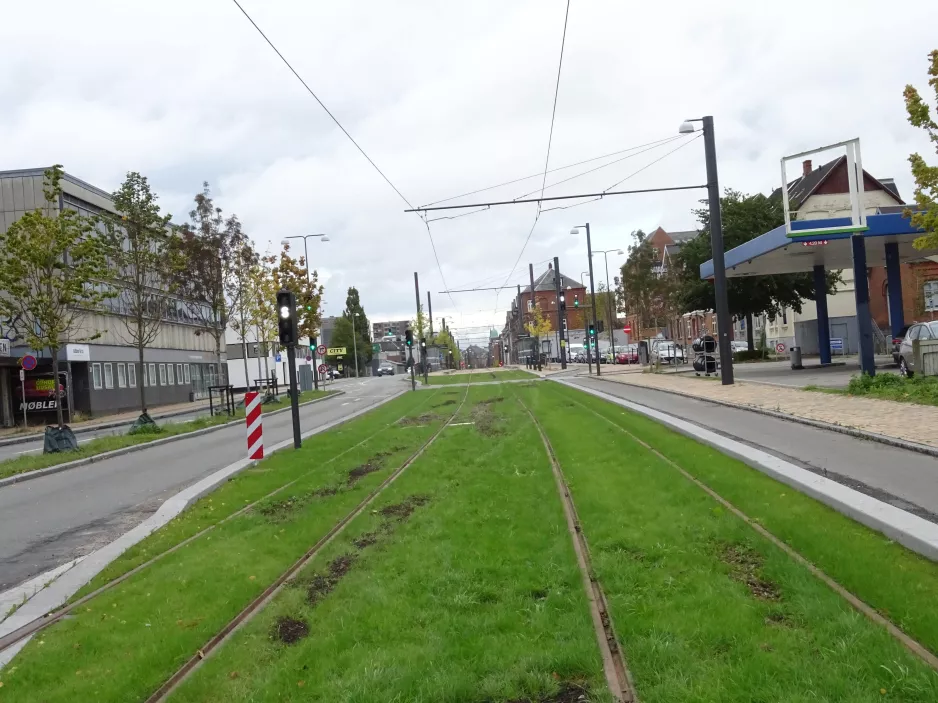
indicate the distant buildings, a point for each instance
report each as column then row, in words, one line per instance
column 394, row 329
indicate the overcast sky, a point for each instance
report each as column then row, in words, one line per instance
column 447, row 98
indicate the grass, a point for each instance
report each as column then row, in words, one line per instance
column 481, row 376
column 100, row 445
column 469, row 598
column 125, row 642
column 889, row 386
column 707, row 609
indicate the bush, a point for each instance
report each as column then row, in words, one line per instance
column 891, row 386
column 748, row 355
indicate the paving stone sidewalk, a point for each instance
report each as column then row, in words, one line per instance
column 908, row 421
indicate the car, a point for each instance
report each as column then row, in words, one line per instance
column 385, row 370
column 897, row 341
column 920, row 330
column 739, row 346
column 330, row 374
column 629, row 355
column 666, row 352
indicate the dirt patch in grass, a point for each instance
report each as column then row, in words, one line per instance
column 366, row 540
column 359, row 472
column 539, row 594
column 403, row 510
column 289, row 630
column 451, row 401
column 745, row 567
column 325, row 491
column 486, row 422
column 321, row 585
column 569, row 693
column 418, row 421
column 491, row 401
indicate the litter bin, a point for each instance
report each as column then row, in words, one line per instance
column 796, row 358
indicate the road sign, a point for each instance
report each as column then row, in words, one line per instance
column 335, row 351
column 321, row 350
column 309, row 356
column 837, row 344
column 255, row 428
column 323, row 368
column 339, row 367
column 780, row 348
column 4, row 347
column 22, row 375
column 376, row 348
column 278, row 358
column 28, row 362
column 627, row 329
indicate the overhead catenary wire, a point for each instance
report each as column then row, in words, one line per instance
column 345, row 132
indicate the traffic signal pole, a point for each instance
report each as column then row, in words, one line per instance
column 561, row 314
column 294, row 397
column 289, row 337
column 589, row 256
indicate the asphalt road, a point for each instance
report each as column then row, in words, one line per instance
column 48, row 521
column 903, row 478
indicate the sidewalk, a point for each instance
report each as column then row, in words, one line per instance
column 905, row 421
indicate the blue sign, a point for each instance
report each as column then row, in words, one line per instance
column 837, row 344
column 278, row 358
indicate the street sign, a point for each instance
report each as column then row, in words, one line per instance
column 278, row 358
column 376, row 348
column 627, row 329
column 339, row 367
column 837, row 345
column 780, row 348
column 321, row 350
column 335, row 351
column 323, row 368
column 22, row 375
column 309, row 357
column 28, row 362
column 4, row 347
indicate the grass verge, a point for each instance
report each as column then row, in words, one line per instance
column 889, row 386
column 482, row 376
column 100, row 445
column 460, row 585
column 710, row 611
column 124, row 643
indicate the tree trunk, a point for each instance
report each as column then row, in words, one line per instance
column 55, row 386
column 142, row 379
column 749, row 334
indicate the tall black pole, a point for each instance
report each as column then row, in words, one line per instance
column 521, row 329
column 413, row 371
column 294, row 396
column 536, row 339
column 561, row 338
column 724, row 323
column 589, row 254
column 312, row 340
column 430, row 313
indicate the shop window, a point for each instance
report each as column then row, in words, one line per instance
column 162, row 374
column 96, row 376
column 179, row 374
column 132, row 375
column 108, row 376
column 931, row 296
column 169, row 375
column 121, row 376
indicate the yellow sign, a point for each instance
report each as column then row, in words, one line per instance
column 335, row 351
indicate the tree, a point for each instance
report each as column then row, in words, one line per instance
column 342, row 337
column 444, row 340
column 926, row 177
column 49, row 263
column 292, row 274
column 355, row 313
column 538, row 327
column 420, row 324
column 644, row 292
column 244, row 259
column 606, row 306
column 261, row 292
column 744, row 218
column 142, row 263
column 206, row 253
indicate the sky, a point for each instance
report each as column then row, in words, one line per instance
column 448, row 98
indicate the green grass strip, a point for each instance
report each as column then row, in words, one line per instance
column 474, row 597
column 100, row 445
column 481, row 376
column 707, row 609
column 124, row 643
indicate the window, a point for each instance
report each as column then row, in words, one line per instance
column 188, row 377
column 784, row 316
column 96, row 376
column 179, row 375
column 530, row 305
column 132, row 375
column 108, row 376
column 152, row 374
column 121, row 376
column 169, row 375
column 162, row 374
column 931, row 296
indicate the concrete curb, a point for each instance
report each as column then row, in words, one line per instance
column 60, row 590
column 818, row 424
column 39, row 473
column 916, row 533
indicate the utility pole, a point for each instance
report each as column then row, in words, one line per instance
column 724, row 323
column 589, row 254
column 537, row 340
column 413, row 381
column 561, row 313
column 430, row 313
column 355, row 343
column 521, row 323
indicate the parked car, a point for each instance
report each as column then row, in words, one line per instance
column 629, row 355
column 897, row 341
column 330, row 374
column 739, row 346
column 921, row 330
column 385, row 370
column 666, row 352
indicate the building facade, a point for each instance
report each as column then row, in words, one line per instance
column 102, row 375
column 395, row 329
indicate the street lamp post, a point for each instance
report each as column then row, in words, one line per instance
column 285, row 242
column 589, row 357
column 716, row 244
column 612, row 320
column 589, row 256
column 355, row 343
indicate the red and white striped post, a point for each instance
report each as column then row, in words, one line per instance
column 252, row 414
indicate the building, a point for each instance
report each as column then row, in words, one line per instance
column 819, row 193
column 393, row 329
column 545, row 296
column 666, row 246
column 101, row 376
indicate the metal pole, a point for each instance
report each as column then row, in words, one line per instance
column 23, row 397
column 609, row 303
column 560, row 315
column 430, row 313
column 589, row 357
column 719, row 267
column 294, row 397
column 537, row 339
column 355, row 343
column 589, row 255
column 312, row 340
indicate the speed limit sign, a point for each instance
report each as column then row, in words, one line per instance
column 780, row 348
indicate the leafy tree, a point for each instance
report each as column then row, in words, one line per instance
column 926, row 177
column 261, row 292
column 420, row 324
column 539, row 326
column 342, row 337
column 49, row 262
column 744, row 218
column 237, row 291
column 353, row 308
column 444, row 340
column 142, row 263
column 292, row 274
column 206, row 253
column 646, row 293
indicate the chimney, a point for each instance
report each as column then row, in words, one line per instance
column 806, row 167
column 550, row 266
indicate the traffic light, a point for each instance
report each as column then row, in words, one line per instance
column 563, row 298
column 409, row 337
column 592, row 330
column 286, row 318
column 601, row 326
column 423, row 344
column 576, row 300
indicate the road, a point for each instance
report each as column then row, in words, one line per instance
column 48, row 521
column 903, row 478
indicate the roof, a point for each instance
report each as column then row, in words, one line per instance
column 802, row 187
column 546, row 282
column 681, row 237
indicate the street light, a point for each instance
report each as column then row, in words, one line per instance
column 285, row 242
column 355, row 343
column 589, row 257
column 612, row 320
column 716, row 244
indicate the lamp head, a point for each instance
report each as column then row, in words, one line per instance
column 686, row 127
column 620, row 252
column 575, row 230
column 325, row 239
column 284, row 242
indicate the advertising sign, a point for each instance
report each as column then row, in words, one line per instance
column 40, row 393
column 336, row 351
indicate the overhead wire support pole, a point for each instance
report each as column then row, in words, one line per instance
column 558, row 197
